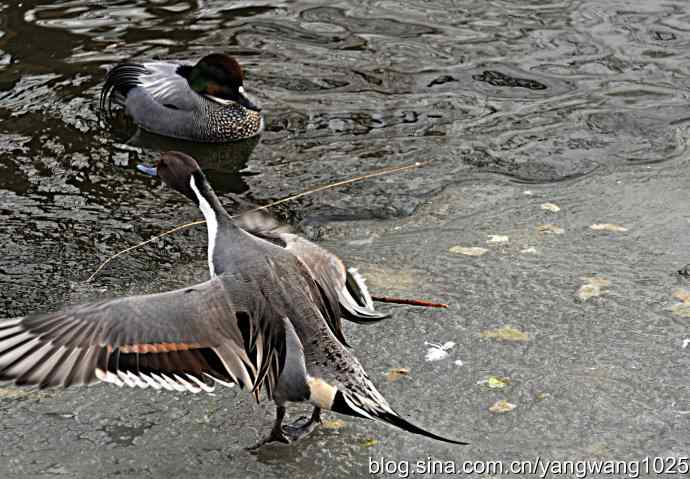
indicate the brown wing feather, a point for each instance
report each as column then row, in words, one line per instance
column 181, row 339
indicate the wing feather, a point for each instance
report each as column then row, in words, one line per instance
column 180, row 340
column 159, row 80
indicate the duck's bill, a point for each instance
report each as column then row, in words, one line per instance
column 244, row 100
column 148, row 169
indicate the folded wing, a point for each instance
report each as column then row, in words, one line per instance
column 159, row 81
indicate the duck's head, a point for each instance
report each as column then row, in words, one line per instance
column 219, row 77
column 180, row 172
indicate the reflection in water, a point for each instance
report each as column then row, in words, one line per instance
column 221, row 163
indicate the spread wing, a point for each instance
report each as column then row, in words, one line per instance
column 219, row 331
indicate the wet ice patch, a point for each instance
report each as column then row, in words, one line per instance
column 436, row 352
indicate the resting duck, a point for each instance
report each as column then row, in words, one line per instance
column 265, row 320
column 205, row 102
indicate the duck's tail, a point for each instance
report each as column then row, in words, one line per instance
column 118, row 82
column 356, row 301
column 364, row 400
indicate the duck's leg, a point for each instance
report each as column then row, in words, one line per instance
column 303, row 426
column 276, row 434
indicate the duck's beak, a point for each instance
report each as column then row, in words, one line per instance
column 243, row 99
column 148, row 169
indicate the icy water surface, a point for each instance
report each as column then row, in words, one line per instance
column 541, row 119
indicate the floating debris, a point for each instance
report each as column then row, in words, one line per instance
column 593, row 287
column 608, row 227
column 530, row 250
column 333, row 423
column 497, row 239
column 685, row 271
column 554, row 208
column 494, row 382
column 550, row 228
column 396, row 373
column 505, row 333
column 541, row 396
column 468, row 251
column 502, row 406
column 437, row 352
column 686, row 342
column 458, row 362
column 528, row 192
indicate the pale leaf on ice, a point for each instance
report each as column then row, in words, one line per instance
column 502, row 406
column 608, row 227
column 554, row 208
column 497, row 239
column 468, row 250
column 394, row 374
column 495, row 382
column 550, row 229
column 593, row 287
column 505, row 333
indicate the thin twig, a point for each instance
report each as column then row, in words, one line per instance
column 153, row 238
column 411, row 302
column 374, row 174
column 385, row 171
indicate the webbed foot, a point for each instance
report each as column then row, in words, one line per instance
column 303, row 426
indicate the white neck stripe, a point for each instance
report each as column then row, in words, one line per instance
column 211, row 224
column 220, row 101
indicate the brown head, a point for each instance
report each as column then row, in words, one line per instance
column 177, row 170
column 220, row 77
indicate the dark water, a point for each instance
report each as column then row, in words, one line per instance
column 583, row 104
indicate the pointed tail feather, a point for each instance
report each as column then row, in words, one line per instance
column 359, row 314
column 356, row 300
column 396, row 420
column 353, row 405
